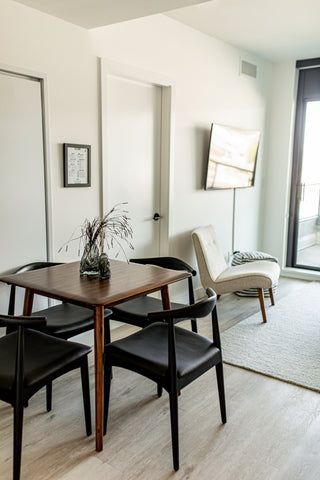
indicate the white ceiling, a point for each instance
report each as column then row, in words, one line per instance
column 272, row 29
column 96, row 13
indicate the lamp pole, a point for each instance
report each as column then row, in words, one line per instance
column 233, row 218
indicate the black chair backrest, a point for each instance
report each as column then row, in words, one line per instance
column 198, row 310
column 166, row 262
column 174, row 264
column 26, row 268
column 20, row 323
column 25, row 322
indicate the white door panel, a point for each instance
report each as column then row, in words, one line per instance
column 22, row 188
column 133, row 116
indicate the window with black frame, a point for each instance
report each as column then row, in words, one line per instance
column 304, row 215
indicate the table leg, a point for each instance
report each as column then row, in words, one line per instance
column 165, row 298
column 28, row 302
column 99, row 361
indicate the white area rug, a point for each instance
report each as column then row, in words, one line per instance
column 287, row 347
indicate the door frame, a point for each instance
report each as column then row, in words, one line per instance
column 295, row 193
column 42, row 79
column 108, row 68
column 295, row 176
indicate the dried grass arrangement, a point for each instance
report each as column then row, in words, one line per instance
column 100, row 234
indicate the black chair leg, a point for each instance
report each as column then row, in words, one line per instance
column 86, row 395
column 159, row 390
column 194, row 325
column 107, row 335
column 107, row 384
column 220, row 381
column 49, row 396
column 17, row 440
column 174, row 429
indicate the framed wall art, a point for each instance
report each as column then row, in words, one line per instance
column 77, row 164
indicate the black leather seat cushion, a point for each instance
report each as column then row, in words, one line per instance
column 138, row 309
column 147, row 350
column 65, row 318
column 40, row 349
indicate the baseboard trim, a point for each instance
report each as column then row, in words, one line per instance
column 300, row 274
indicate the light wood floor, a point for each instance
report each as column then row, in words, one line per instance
column 273, row 429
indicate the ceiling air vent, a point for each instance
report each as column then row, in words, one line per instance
column 247, row 68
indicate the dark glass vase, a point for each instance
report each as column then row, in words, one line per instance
column 89, row 264
column 104, row 266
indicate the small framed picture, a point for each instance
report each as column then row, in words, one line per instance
column 76, row 160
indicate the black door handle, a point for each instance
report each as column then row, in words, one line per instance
column 156, row 217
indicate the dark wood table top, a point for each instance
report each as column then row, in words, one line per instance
column 127, row 281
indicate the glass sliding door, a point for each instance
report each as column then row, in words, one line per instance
column 308, row 242
column 304, row 220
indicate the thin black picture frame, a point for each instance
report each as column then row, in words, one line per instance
column 77, row 165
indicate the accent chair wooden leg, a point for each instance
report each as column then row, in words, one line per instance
column 271, row 296
column 261, row 300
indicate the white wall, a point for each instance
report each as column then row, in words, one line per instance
column 208, row 89
column 38, row 42
column 42, row 44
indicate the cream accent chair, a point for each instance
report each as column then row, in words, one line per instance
column 215, row 273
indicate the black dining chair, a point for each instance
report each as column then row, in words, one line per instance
column 63, row 320
column 28, row 361
column 135, row 312
column 171, row 356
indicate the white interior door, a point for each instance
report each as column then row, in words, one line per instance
column 22, row 184
column 132, row 139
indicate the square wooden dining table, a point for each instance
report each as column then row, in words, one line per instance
column 63, row 282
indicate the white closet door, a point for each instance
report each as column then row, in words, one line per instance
column 22, row 186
